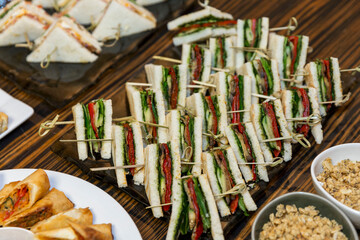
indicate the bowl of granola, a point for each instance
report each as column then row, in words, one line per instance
column 336, row 176
column 301, row 215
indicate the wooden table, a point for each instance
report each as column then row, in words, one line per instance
column 334, row 30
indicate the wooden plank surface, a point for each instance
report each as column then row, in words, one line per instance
column 334, row 30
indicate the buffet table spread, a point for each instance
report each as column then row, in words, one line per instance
column 334, row 30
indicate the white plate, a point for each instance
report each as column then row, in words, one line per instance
column 17, row 111
column 84, row 194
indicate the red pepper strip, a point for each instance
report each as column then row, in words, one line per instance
column 328, row 76
column 21, row 193
column 217, row 24
column 253, row 29
column 235, row 105
column 168, row 178
column 304, row 129
column 7, row 215
column 131, row 148
column 199, row 226
column 187, row 131
column 246, row 140
column 213, row 112
column 294, row 40
column 91, row 107
column 220, row 42
column 149, row 102
column 235, row 201
column 266, row 81
column 174, row 89
column 270, row 113
column 198, row 62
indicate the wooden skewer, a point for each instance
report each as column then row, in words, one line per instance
column 344, row 100
column 238, row 111
column 289, row 27
column 187, row 176
column 150, row 85
column 237, row 189
column 84, row 140
column 290, row 80
column 311, row 120
column 263, row 96
column 276, row 162
column 179, row 62
column 204, row 84
column 190, row 163
column 275, row 139
column 251, row 49
column 153, row 124
column 160, row 205
column 235, row 124
column 117, row 167
column 357, row 69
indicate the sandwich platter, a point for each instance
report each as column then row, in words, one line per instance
column 84, row 194
column 60, row 82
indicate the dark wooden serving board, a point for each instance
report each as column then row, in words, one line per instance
column 61, row 82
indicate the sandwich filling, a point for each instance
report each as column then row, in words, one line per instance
column 39, row 214
column 165, row 174
column 8, row 8
column 187, row 140
column 195, row 216
column 235, row 97
column 149, row 109
column 245, row 147
column 263, row 76
column 196, row 63
column 94, row 117
column 129, row 147
column 205, row 22
column 270, row 128
column 23, row 13
column 300, row 105
column 226, row 181
column 291, row 55
column 170, row 86
column 326, row 81
column 14, row 202
column 252, row 36
column 211, row 117
column 220, row 56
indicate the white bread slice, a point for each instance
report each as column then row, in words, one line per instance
column 189, row 38
column 222, row 122
column 247, row 70
column 286, row 99
column 60, row 220
column 176, row 176
column 49, row 3
column 177, row 208
column 221, row 31
column 139, row 153
column 316, row 130
column 85, row 11
column 228, row 43
column 255, row 118
column 130, row 22
column 118, row 154
column 302, row 60
column 152, row 178
column 10, row 5
column 78, row 116
column 208, row 11
column 148, row 2
column 69, row 49
column 106, row 145
column 264, row 32
column 275, row 74
column 133, row 95
column 337, row 81
column 173, row 122
column 21, row 21
column 216, row 229
column 209, row 170
column 276, row 47
column 311, row 79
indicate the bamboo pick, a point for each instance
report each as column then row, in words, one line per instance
column 357, row 69
column 275, row 139
column 128, row 118
column 219, row 148
column 153, row 124
column 28, row 43
column 300, row 138
column 179, row 62
column 237, row 189
column 238, row 111
column 150, row 85
column 251, row 49
column 160, row 205
column 85, row 140
column 45, row 62
column 289, row 27
column 263, row 96
column 116, row 39
column 311, row 120
column 278, row 161
column 116, row 167
column 190, row 163
column 346, row 98
column 204, row 84
column 187, row 176
column 290, row 80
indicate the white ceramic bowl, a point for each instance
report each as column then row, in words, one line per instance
column 340, row 152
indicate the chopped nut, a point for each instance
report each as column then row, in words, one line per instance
column 342, row 181
column 289, row 222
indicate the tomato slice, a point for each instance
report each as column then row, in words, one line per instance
column 294, row 40
column 304, row 129
column 235, row 105
column 199, row 226
column 213, row 112
column 198, row 59
column 253, row 29
column 174, row 89
column 131, row 147
column 247, row 143
column 326, row 64
column 91, row 107
column 187, row 133
column 269, row 110
column 221, row 46
column 213, row 24
column 168, row 178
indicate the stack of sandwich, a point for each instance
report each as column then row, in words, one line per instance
column 48, row 214
column 206, row 130
column 26, row 22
